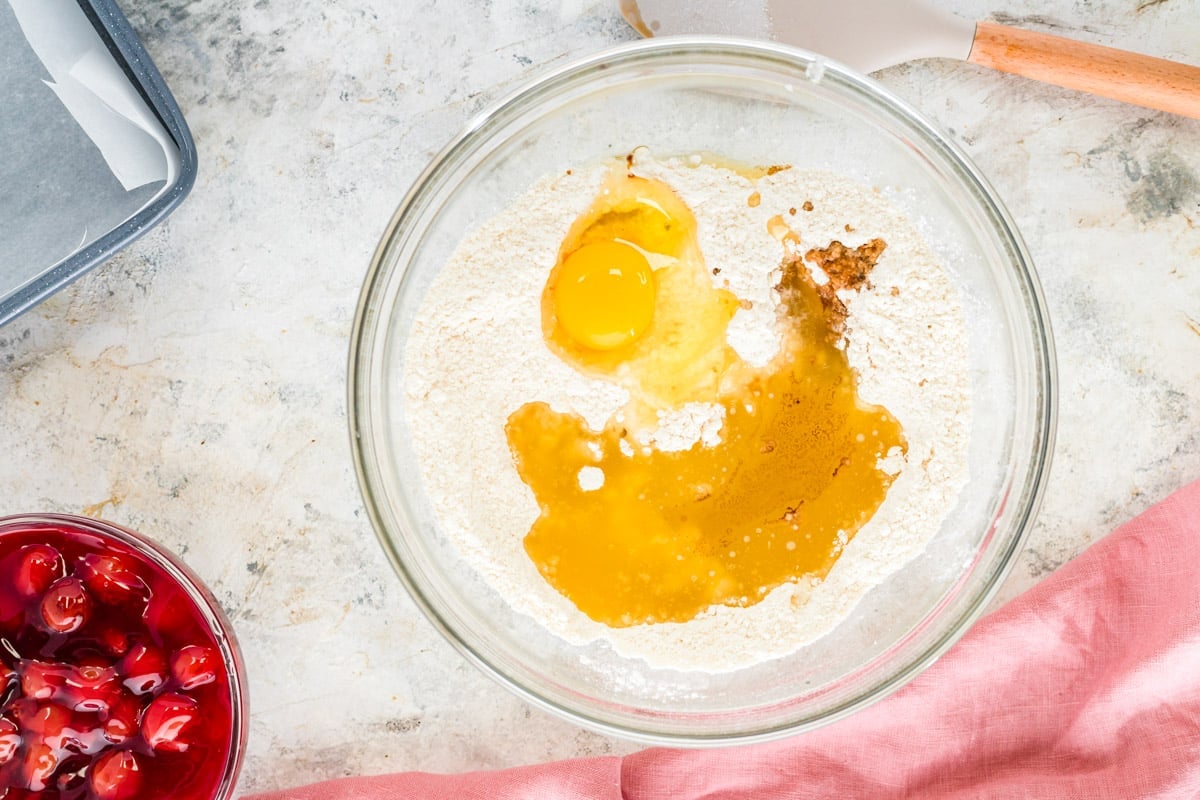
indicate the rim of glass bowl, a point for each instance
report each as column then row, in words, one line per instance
column 573, row 80
column 201, row 597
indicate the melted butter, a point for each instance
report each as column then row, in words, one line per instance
column 782, row 232
column 663, row 536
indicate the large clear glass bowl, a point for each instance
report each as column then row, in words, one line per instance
column 752, row 103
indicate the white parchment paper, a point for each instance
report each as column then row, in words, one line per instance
column 80, row 150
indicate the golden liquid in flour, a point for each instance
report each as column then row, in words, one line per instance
column 632, row 534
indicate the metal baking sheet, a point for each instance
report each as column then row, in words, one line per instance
column 93, row 148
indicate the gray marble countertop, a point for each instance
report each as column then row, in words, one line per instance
column 193, row 387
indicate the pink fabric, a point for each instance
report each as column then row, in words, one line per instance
column 1087, row 686
column 585, row 777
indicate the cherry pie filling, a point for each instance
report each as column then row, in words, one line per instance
column 112, row 682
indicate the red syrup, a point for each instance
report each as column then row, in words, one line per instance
column 113, row 683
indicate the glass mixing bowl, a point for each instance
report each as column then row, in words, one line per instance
column 751, row 103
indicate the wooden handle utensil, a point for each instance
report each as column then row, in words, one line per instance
column 1117, row 74
column 872, row 34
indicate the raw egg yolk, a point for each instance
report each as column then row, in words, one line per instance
column 604, row 294
column 630, row 300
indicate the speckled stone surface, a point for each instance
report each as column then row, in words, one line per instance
column 193, row 388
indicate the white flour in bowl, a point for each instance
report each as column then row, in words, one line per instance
column 476, row 353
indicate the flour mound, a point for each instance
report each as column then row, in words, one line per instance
column 906, row 338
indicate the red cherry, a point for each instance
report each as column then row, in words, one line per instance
column 86, row 688
column 39, row 566
column 113, row 640
column 65, row 606
column 40, row 680
column 47, row 722
column 39, row 765
column 122, row 721
column 22, row 710
column 92, row 688
column 112, row 579
column 165, row 719
column 194, row 666
column 170, row 615
column 144, row 668
column 116, row 775
column 10, row 740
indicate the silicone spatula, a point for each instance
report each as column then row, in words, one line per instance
column 872, row 34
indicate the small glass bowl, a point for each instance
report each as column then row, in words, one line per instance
column 754, row 103
column 209, row 766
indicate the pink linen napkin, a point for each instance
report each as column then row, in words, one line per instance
column 1087, row 686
